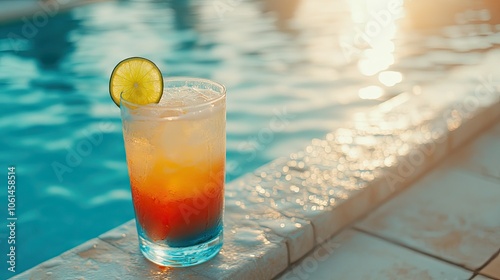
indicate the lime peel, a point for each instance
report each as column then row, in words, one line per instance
column 137, row 80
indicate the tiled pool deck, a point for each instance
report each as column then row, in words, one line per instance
column 279, row 221
column 445, row 226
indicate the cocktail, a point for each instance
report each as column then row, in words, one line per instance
column 175, row 153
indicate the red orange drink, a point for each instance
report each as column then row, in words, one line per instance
column 176, row 157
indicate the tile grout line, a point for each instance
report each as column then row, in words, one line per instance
column 488, row 261
column 405, row 187
column 409, row 184
column 400, row 244
column 487, row 276
column 473, row 275
column 306, row 255
column 478, row 175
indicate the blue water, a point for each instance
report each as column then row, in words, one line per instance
column 287, row 76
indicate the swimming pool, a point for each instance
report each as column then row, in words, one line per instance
column 287, row 76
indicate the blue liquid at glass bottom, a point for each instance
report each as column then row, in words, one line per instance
column 168, row 254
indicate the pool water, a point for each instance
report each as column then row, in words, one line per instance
column 284, row 63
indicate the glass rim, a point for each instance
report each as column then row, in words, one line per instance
column 222, row 96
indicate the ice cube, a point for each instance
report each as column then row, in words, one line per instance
column 186, row 96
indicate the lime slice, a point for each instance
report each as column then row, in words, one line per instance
column 138, row 80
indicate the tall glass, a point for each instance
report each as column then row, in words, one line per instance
column 176, row 159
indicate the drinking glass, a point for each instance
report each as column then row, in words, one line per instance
column 176, row 152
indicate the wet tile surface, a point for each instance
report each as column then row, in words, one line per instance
column 493, row 268
column 97, row 259
column 355, row 255
column 483, row 155
column 248, row 253
column 244, row 249
column 306, row 192
column 449, row 214
column 240, row 206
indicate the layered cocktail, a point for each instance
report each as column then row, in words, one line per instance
column 175, row 153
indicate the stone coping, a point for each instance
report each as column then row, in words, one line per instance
column 277, row 214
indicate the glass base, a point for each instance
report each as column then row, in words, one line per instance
column 181, row 256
